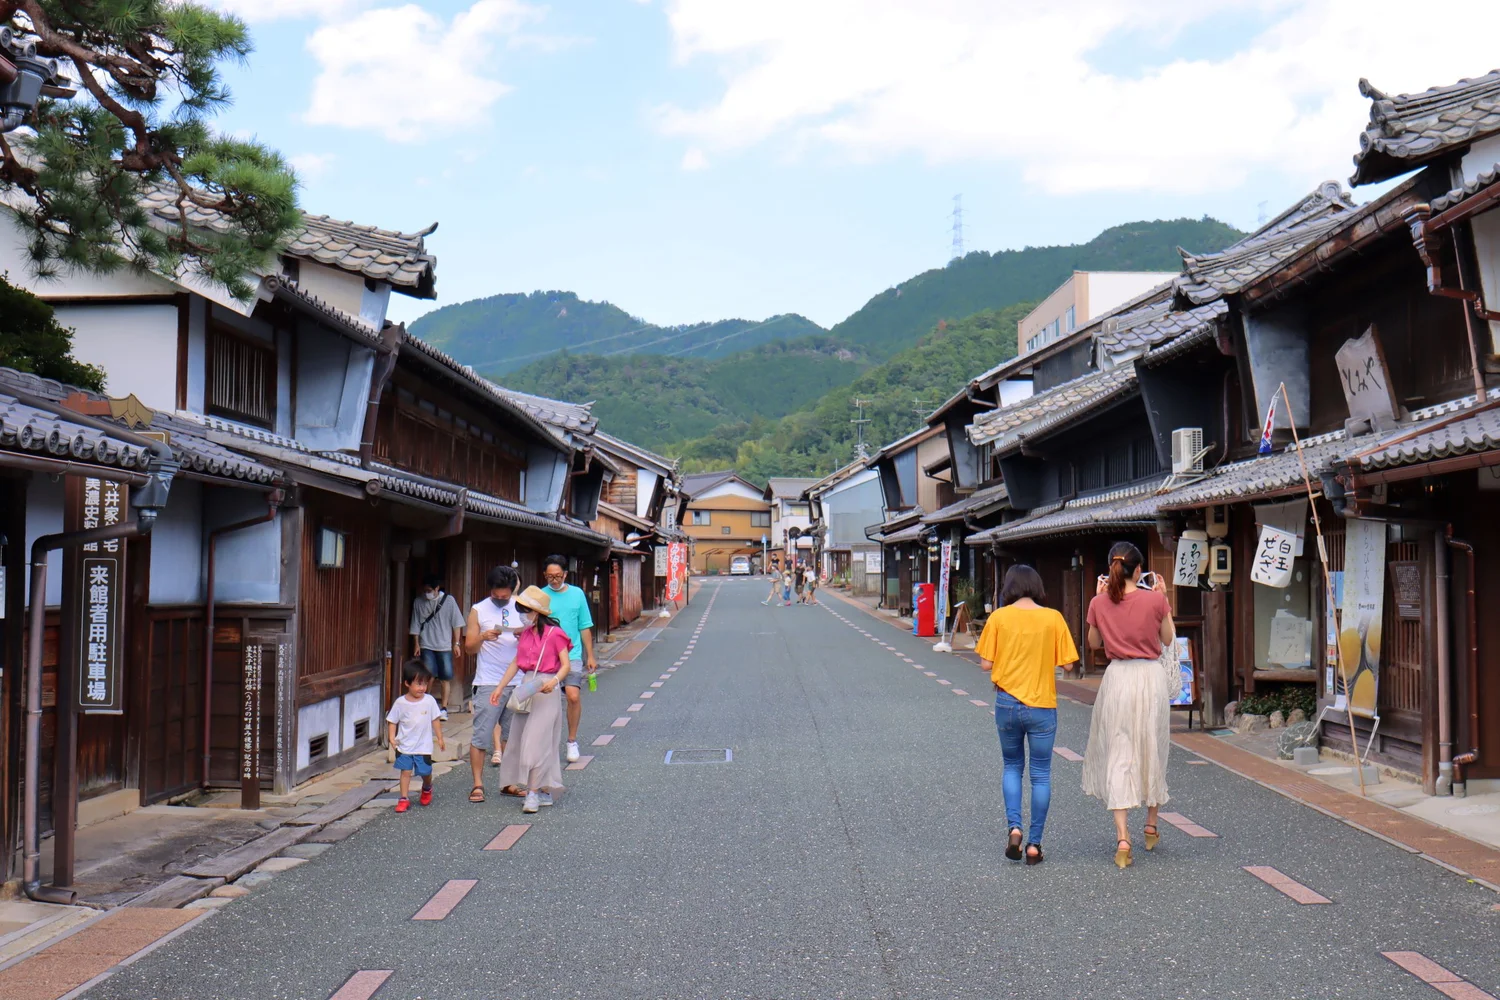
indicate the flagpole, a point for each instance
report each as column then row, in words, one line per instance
column 1312, row 503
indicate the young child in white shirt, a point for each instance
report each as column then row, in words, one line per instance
column 413, row 723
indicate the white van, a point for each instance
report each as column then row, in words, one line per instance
column 739, row 566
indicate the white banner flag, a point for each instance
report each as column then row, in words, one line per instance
column 1272, row 564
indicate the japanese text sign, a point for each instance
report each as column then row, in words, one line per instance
column 100, row 589
column 1192, row 558
column 1274, row 553
column 1364, row 378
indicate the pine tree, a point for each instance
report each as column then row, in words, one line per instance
column 77, row 172
column 31, row 340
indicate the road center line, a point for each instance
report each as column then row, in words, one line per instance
column 445, row 899
column 1286, row 885
column 656, row 684
column 636, row 707
column 1445, row 982
column 362, row 985
column 506, row 838
column 648, row 694
column 981, row 704
column 604, row 740
column 581, row 763
column 943, row 682
column 1186, row 825
column 621, row 722
column 960, row 691
column 1067, row 754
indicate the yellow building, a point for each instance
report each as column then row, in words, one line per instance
column 726, row 516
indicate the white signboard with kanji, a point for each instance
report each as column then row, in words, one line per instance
column 1192, row 559
column 1274, row 553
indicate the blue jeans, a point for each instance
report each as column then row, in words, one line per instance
column 439, row 663
column 1036, row 728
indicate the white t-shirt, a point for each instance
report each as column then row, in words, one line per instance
column 413, row 721
column 496, row 655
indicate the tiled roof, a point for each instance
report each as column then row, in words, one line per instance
column 1206, row 277
column 1157, row 326
column 788, row 488
column 1263, row 475
column 634, row 451
column 383, row 254
column 1408, row 130
column 1101, row 512
column 1469, row 190
column 1449, row 435
column 699, row 482
column 989, row 497
column 354, row 327
column 1037, row 414
column 576, row 418
column 22, row 428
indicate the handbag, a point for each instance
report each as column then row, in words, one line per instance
column 522, row 706
column 1171, row 672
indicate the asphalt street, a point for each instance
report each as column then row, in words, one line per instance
column 850, row 849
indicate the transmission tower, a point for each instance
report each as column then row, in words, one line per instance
column 957, row 250
column 860, row 451
column 921, row 408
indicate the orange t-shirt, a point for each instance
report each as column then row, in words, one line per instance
column 1026, row 646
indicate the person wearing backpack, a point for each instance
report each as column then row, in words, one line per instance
column 531, row 758
column 437, row 634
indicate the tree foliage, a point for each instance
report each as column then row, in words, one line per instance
column 31, row 340
column 149, row 77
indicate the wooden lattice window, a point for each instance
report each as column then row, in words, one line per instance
column 240, row 377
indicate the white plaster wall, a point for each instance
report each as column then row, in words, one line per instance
column 1014, row 390
column 44, row 516
column 247, row 563
column 136, row 345
column 645, row 487
column 362, row 704
column 337, row 288
column 1483, row 157
column 15, row 263
column 1108, row 289
column 197, row 320
column 733, row 488
column 315, row 720
column 177, row 547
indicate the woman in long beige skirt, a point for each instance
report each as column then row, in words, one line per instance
column 532, row 756
column 1125, row 764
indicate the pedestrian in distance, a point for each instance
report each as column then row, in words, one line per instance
column 810, row 588
column 1129, row 735
column 800, row 581
column 412, row 724
column 531, row 760
column 437, row 634
column 570, row 606
column 1022, row 645
column 491, row 637
column 775, row 584
column 786, row 586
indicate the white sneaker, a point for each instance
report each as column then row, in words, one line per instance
column 533, row 802
column 442, row 715
column 544, row 798
column 495, row 759
column 572, row 751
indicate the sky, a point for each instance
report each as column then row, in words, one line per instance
column 695, row 160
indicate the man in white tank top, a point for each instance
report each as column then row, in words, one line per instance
column 491, row 637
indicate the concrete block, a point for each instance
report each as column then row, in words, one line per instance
column 281, row 864
column 230, row 892
column 1305, row 756
column 305, row 851
column 208, row 903
column 1372, row 775
column 252, row 879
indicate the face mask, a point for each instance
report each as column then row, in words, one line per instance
column 500, row 603
column 432, row 595
column 530, row 617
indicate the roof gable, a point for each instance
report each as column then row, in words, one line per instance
column 1408, row 130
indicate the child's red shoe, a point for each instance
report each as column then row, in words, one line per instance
column 426, row 797
column 402, row 805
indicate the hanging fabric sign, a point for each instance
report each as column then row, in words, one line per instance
column 1274, row 552
column 1361, row 612
column 1290, row 517
column 1192, row 558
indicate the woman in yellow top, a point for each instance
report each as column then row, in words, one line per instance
column 1022, row 645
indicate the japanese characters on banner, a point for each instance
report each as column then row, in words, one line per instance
column 659, row 557
column 250, row 715
column 874, row 561
column 1361, row 615
column 942, row 594
column 95, row 503
column 1192, row 559
column 676, row 570
column 1274, row 553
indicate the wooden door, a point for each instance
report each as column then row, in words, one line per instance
column 172, row 748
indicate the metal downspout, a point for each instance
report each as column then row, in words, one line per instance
column 36, row 618
column 390, row 340
column 273, row 504
column 1444, row 667
column 1463, row 760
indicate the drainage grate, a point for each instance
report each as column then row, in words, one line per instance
column 723, row 756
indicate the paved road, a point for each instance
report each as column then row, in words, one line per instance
column 851, row 849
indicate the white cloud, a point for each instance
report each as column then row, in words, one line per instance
column 694, row 159
column 1015, row 81
column 311, row 166
column 406, row 73
column 272, row 10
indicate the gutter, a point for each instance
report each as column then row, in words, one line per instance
column 390, row 337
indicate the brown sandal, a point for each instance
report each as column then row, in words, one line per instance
column 477, row 794
column 513, row 790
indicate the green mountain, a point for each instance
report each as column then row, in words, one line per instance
column 656, row 401
column 897, row 317
column 898, row 395
column 505, row 332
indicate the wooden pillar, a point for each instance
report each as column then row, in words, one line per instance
column 137, row 628
column 12, row 698
column 1216, row 656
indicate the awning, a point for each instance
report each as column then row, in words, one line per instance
column 975, row 504
column 1133, row 507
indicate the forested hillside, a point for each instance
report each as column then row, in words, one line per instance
column 899, row 394
column 657, row 401
column 501, row 333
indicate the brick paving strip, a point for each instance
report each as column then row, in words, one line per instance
column 362, row 985
column 621, row 722
column 981, row 704
column 508, row 837
column 1286, row 885
column 446, row 899
column 601, row 741
column 581, row 763
column 1067, row 754
column 1186, row 825
column 93, row 951
column 1445, row 982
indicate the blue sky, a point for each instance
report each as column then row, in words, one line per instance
column 699, row 159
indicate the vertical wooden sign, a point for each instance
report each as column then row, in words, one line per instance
column 250, row 726
column 95, row 582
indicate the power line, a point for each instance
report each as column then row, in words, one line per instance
column 859, row 428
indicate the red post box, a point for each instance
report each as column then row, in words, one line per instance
column 924, row 613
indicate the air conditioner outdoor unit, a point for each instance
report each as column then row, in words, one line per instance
column 1187, row 450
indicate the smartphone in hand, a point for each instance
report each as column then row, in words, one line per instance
column 1147, row 581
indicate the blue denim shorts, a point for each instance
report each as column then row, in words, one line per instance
column 418, row 762
column 439, row 663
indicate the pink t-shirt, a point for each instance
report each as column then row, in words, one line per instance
column 533, row 649
column 1132, row 628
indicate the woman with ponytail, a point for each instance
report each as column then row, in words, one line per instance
column 1129, row 735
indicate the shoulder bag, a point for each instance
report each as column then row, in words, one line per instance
column 518, row 704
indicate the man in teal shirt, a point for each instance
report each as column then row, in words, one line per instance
column 570, row 606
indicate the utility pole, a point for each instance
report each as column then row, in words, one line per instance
column 921, row 408
column 956, row 250
column 859, row 428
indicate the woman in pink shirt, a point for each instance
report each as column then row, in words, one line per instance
column 531, row 758
column 1129, row 735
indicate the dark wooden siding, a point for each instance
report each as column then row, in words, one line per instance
column 340, row 616
column 422, row 433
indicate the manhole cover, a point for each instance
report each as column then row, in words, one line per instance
column 1477, row 809
column 723, row 756
column 1330, row 770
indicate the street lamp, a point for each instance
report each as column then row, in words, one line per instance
column 24, row 77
